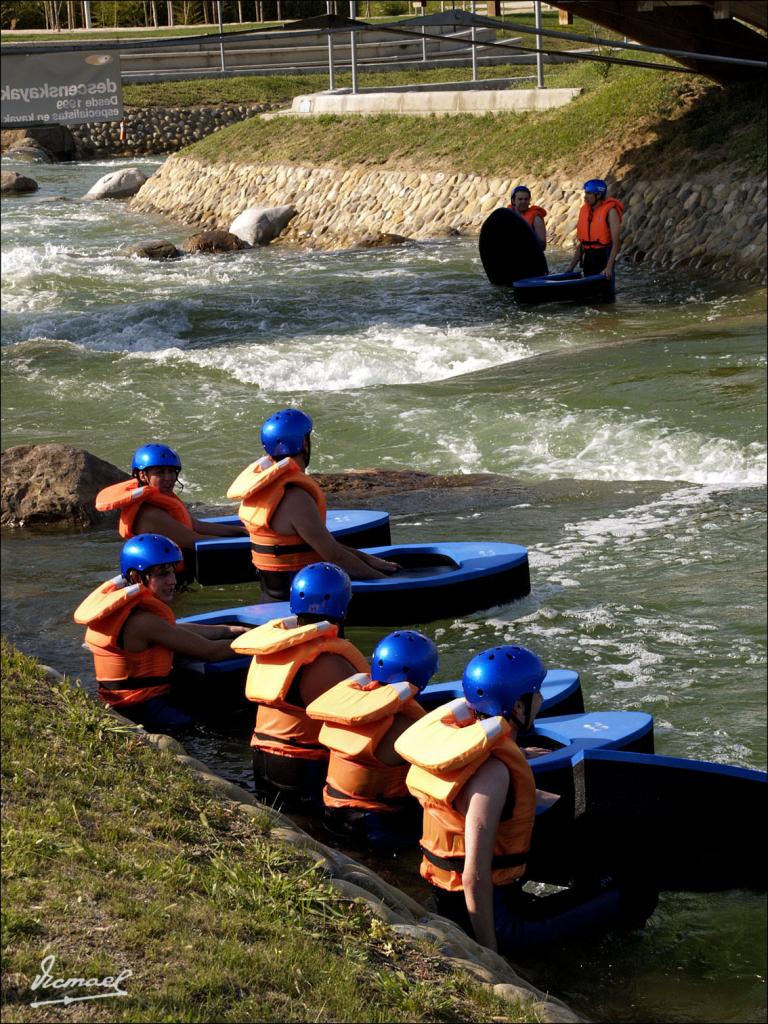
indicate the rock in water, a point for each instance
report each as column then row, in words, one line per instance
column 259, row 225
column 16, row 184
column 153, row 249
column 53, row 484
column 213, row 241
column 118, row 184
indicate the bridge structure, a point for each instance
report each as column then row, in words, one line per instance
column 696, row 29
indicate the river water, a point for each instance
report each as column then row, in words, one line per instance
column 635, row 434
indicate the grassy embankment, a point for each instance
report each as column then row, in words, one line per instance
column 680, row 122
column 116, row 857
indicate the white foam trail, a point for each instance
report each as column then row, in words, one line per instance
column 551, row 442
column 383, row 354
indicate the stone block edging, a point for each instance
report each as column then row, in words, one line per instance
column 708, row 223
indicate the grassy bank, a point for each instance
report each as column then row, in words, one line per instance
column 115, row 857
column 669, row 122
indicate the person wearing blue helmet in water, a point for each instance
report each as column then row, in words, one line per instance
column 148, row 504
column 365, row 796
column 480, row 802
column 284, row 509
column 133, row 634
column 295, row 660
column 598, row 231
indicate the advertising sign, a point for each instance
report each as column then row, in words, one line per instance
column 60, row 88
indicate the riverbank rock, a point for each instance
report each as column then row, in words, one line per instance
column 118, row 184
column 56, row 139
column 31, row 152
column 154, row 249
column 53, row 485
column 259, row 225
column 377, row 241
column 213, row 241
column 12, row 183
column 362, row 482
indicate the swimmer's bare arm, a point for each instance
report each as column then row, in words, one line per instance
column 143, row 630
column 151, row 519
column 298, row 513
column 481, row 801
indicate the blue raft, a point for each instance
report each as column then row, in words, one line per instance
column 568, row 287
column 437, row 581
column 678, row 824
column 223, row 560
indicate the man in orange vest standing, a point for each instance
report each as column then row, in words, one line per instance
column 598, row 230
column 283, row 510
column 532, row 215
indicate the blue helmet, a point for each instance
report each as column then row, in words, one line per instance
column 283, row 432
column 495, row 679
column 404, row 655
column 596, row 185
column 146, row 550
column 321, row 589
column 520, row 188
column 155, row 455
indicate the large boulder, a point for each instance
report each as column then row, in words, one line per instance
column 259, row 225
column 213, row 241
column 53, row 485
column 31, row 152
column 15, row 184
column 56, row 139
column 117, row 184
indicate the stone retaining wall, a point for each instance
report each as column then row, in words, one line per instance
column 707, row 222
column 153, row 130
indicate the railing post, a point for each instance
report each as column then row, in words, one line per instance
column 474, row 46
column 221, row 35
column 353, row 45
column 331, row 75
column 539, row 55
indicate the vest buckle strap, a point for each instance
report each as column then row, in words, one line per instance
column 276, row 550
column 394, row 803
column 287, row 742
column 136, row 683
column 509, row 860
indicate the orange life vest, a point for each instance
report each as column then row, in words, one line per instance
column 592, row 229
column 532, row 213
column 281, row 650
column 357, row 714
column 260, row 488
column 445, row 749
column 105, row 612
column 129, row 496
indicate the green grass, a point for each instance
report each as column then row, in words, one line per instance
column 115, row 857
column 678, row 119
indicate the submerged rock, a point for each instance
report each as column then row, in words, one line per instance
column 16, row 184
column 213, row 241
column 117, row 184
column 154, row 249
column 378, row 241
column 259, row 225
column 53, row 485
